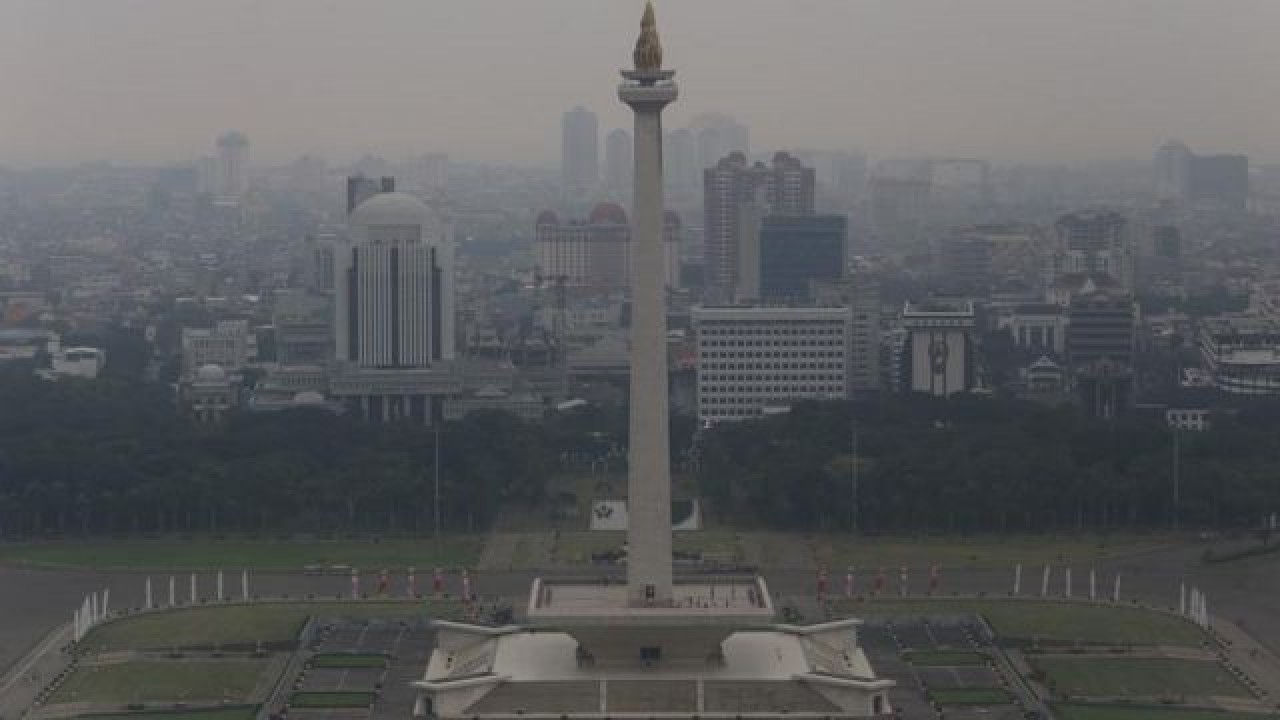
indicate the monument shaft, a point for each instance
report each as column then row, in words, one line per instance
column 649, row 478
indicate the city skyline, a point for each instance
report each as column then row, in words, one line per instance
column 1078, row 82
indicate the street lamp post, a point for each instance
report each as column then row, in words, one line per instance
column 435, row 505
column 853, row 478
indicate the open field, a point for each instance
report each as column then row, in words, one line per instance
column 349, row 660
column 1122, row 712
column 576, row 548
column 945, row 658
column 1138, row 677
column 1048, row 622
column 982, row 552
column 331, row 699
column 162, row 681
column 242, row 624
column 233, row 554
column 243, row 712
column 969, row 696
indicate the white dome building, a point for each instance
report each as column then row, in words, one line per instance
column 394, row 313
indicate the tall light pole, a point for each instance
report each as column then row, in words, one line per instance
column 853, row 479
column 435, row 505
column 1177, row 476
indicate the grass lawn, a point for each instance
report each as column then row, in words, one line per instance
column 243, row 712
column 237, row 553
column 969, row 696
column 1139, row 677
column 331, row 699
column 945, row 658
column 1123, row 712
column 576, row 548
column 153, row 681
column 982, row 552
column 242, row 624
column 349, row 660
column 1051, row 623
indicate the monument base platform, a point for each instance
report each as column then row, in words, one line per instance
column 781, row 670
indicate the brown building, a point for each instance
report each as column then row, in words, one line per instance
column 786, row 187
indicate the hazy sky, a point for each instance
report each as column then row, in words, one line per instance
column 1033, row 80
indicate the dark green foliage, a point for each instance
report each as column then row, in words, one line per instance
column 115, row 456
column 988, row 464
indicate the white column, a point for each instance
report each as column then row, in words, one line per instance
column 193, row 589
column 1182, row 598
column 106, row 602
column 1017, row 579
column 93, row 608
column 1044, row 582
column 244, row 585
column 173, row 596
column 219, row 597
column 1067, row 581
column 147, row 594
column 1115, row 593
column 1093, row 584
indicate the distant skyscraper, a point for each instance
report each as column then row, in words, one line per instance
column 617, row 162
column 1220, row 181
column 683, row 172
column 580, row 148
column 1216, row 181
column 233, row 164
column 796, row 251
column 393, row 319
column 1092, row 244
column 361, row 188
column 788, row 189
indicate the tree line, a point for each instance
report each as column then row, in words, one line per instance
column 115, row 455
column 990, row 464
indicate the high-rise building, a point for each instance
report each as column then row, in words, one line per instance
column 361, row 188
column 796, row 251
column 788, row 189
column 1220, row 181
column 393, row 310
column 753, row 360
column 579, row 152
column 1093, row 244
column 940, row 346
column 617, row 163
column 233, row 164
column 899, row 207
column 682, row 174
column 964, row 264
column 1213, row 181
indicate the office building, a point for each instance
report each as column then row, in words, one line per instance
column 963, row 264
column 939, row 348
column 617, row 163
column 786, row 187
column 756, row 360
column 595, row 254
column 579, row 153
column 233, row 165
column 1101, row 328
column 1093, row 244
column 798, row 250
column 393, row 311
column 1241, row 354
column 658, row 645
column 229, row 344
